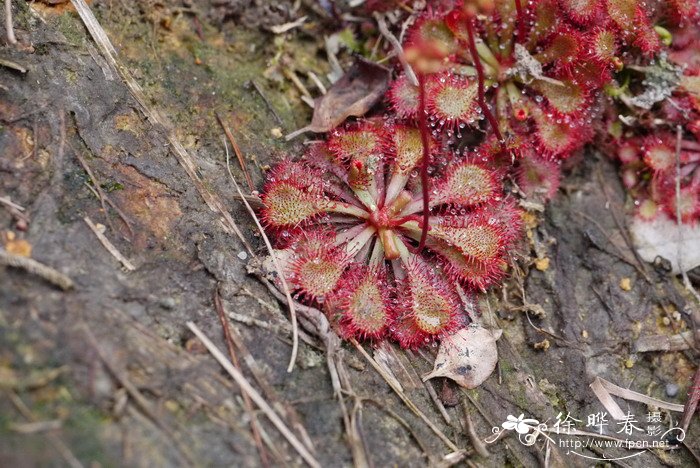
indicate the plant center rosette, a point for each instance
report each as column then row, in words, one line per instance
column 347, row 220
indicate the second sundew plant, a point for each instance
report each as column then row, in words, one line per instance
column 394, row 222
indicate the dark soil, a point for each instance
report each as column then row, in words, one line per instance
column 78, row 356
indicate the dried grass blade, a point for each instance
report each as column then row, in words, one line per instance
column 236, row 150
column 275, row 261
column 405, row 398
column 255, row 396
column 603, row 389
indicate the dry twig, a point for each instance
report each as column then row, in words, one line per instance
column 53, row 438
column 255, row 396
column 254, row 424
column 271, row 251
column 693, row 399
column 397, row 48
column 15, row 210
column 236, row 150
column 8, row 23
column 108, row 245
column 30, row 265
column 412, row 406
column 13, row 65
column 478, row 444
column 257, row 88
column 104, row 200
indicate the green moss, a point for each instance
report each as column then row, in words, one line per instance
column 111, row 186
column 68, row 25
column 82, row 429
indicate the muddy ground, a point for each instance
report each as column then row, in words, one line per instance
column 111, row 368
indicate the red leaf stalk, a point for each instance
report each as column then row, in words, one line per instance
column 521, row 20
column 425, row 140
column 480, row 80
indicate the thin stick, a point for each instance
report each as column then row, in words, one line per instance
column 292, row 76
column 255, row 396
column 12, row 65
column 267, row 102
column 109, row 246
column 8, row 202
column 53, row 438
column 285, row 286
column 397, row 48
column 254, row 424
column 288, row 411
column 236, row 150
column 317, row 82
column 434, row 396
column 404, row 398
column 282, row 327
column 36, row 426
column 136, row 395
column 694, row 397
column 102, row 196
column 14, row 209
column 476, row 441
column 8, row 23
column 30, row 265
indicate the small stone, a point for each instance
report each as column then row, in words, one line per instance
column 167, row 303
column 626, row 284
column 584, row 334
column 542, row 264
column 172, row 405
column 242, row 255
column 276, row 132
column 671, row 390
column 666, row 321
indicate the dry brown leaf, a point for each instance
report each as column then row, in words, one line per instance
column 353, row 95
column 468, row 356
column 662, row 237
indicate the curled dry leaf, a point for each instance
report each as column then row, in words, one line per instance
column 664, row 238
column 468, row 356
column 353, row 95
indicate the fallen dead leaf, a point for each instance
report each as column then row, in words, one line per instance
column 468, row 356
column 662, row 237
column 353, row 95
